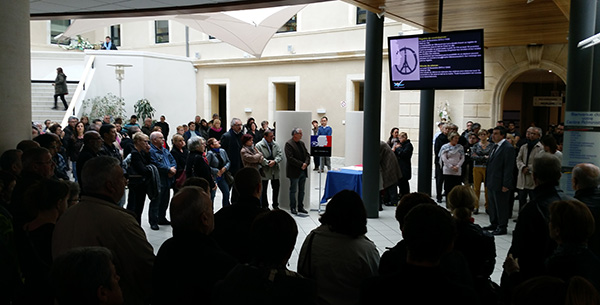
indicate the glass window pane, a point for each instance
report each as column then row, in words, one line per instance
column 161, row 30
column 115, row 34
column 289, row 26
column 361, row 16
column 59, row 27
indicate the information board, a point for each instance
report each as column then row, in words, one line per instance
column 447, row 60
column 320, row 146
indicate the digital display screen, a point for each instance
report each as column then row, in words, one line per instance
column 447, row 60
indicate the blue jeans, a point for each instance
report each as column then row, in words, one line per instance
column 74, row 170
column 224, row 187
column 297, row 185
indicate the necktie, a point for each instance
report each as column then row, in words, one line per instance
column 494, row 149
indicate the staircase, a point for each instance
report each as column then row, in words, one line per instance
column 42, row 99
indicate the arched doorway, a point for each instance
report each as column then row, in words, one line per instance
column 519, row 101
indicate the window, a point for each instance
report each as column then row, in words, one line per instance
column 58, row 27
column 361, row 15
column 289, row 26
column 115, row 34
column 161, row 31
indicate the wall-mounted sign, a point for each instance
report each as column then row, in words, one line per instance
column 547, row 101
column 583, row 118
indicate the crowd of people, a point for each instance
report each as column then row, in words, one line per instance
column 80, row 241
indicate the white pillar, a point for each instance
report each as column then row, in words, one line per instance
column 354, row 138
column 286, row 122
column 15, row 80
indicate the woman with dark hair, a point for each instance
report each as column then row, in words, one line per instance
column 475, row 244
column 393, row 139
column 249, row 122
column 60, row 88
column 550, row 146
column 404, row 150
column 75, row 143
column 251, row 157
column 203, row 128
column 254, row 132
column 266, row 280
column 86, row 122
column 337, row 254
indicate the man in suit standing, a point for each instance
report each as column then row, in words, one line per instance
column 298, row 160
column 499, row 180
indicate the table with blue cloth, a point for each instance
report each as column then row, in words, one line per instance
column 343, row 179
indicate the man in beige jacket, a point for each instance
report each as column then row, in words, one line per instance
column 527, row 153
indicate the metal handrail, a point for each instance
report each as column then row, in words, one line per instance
column 80, row 92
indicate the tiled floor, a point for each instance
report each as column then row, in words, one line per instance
column 383, row 231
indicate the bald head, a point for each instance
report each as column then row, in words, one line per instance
column 585, row 175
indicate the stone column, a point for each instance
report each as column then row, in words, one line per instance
column 15, row 80
column 372, row 113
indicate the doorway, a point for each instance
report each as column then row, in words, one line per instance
column 218, row 101
column 521, row 101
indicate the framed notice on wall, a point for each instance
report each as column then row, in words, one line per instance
column 320, row 146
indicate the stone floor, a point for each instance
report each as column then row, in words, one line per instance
column 383, row 231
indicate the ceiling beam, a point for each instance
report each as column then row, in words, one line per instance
column 564, row 6
column 182, row 10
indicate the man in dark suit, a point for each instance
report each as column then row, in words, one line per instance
column 108, row 45
column 298, row 160
column 499, row 180
column 231, row 142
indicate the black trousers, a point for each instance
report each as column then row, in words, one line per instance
column 264, row 201
column 404, row 187
column 439, row 180
column 136, row 199
column 62, row 98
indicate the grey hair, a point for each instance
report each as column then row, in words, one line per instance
column 234, row 120
column 97, row 171
column 296, row 130
column 538, row 130
column 194, row 143
column 154, row 135
column 546, row 168
column 587, row 175
column 73, row 118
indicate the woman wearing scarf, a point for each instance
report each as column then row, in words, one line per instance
column 452, row 156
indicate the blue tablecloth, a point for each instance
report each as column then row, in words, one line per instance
column 344, row 179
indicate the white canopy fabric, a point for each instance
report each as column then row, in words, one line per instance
column 248, row 30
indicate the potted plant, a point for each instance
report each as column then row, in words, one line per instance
column 143, row 109
column 99, row 106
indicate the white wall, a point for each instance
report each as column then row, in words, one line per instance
column 168, row 82
column 44, row 64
